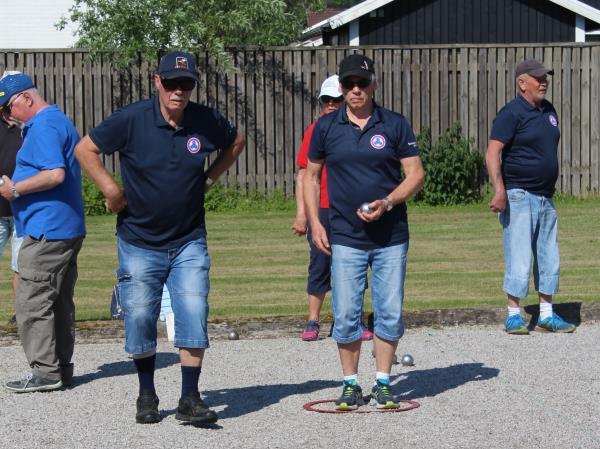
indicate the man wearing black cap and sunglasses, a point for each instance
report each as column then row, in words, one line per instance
column 522, row 164
column 163, row 144
column 365, row 148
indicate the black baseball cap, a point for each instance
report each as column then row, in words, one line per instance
column 533, row 68
column 177, row 64
column 356, row 65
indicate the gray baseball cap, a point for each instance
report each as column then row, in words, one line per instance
column 533, row 68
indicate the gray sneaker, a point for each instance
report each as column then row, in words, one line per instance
column 30, row 382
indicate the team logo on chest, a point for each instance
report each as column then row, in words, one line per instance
column 553, row 120
column 193, row 145
column 378, row 141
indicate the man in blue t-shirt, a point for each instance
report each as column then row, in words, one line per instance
column 163, row 144
column 523, row 167
column 365, row 148
column 45, row 196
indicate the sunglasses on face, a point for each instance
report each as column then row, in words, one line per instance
column 8, row 106
column 361, row 83
column 178, row 83
column 326, row 99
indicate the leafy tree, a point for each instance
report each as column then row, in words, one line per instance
column 129, row 27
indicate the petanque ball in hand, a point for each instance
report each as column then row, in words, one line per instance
column 233, row 335
column 364, row 207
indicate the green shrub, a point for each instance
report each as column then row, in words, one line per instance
column 220, row 198
column 453, row 171
column 93, row 199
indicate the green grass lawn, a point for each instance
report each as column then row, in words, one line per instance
column 259, row 266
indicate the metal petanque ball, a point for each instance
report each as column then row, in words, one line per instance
column 364, row 207
column 233, row 335
column 408, row 360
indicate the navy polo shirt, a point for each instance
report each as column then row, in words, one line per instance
column 162, row 170
column 363, row 166
column 530, row 135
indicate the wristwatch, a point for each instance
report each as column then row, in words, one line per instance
column 15, row 194
column 389, row 205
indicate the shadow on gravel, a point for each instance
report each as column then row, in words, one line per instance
column 257, row 397
column 431, row 382
column 568, row 311
column 124, row 367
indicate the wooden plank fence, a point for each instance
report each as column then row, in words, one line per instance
column 271, row 96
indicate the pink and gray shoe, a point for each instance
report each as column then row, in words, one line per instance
column 311, row 331
column 367, row 335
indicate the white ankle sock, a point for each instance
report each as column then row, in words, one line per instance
column 382, row 377
column 545, row 310
column 351, row 378
column 514, row 311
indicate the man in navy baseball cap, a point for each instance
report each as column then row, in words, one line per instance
column 11, row 85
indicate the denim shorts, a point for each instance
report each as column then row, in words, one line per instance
column 349, row 269
column 8, row 231
column 530, row 237
column 319, row 266
column 141, row 276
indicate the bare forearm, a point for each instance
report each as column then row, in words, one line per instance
column 226, row 158
column 44, row 180
column 412, row 183
column 494, row 164
column 311, row 190
column 300, row 208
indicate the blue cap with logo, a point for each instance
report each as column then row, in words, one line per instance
column 177, row 64
column 13, row 84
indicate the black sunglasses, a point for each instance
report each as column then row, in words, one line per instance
column 327, row 99
column 178, row 83
column 361, row 83
column 8, row 106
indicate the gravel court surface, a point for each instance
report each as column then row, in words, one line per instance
column 478, row 388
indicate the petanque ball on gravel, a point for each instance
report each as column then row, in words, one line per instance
column 233, row 335
column 408, row 360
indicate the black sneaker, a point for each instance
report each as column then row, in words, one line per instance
column 193, row 409
column 31, row 382
column 351, row 397
column 147, row 408
column 381, row 397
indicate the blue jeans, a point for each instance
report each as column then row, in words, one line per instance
column 349, row 268
column 530, row 234
column 8, row 231
column 141, row 275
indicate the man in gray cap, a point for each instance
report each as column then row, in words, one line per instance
column 523, row 166
column 163, row 144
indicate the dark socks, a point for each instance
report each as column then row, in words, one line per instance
column 189, row 379
column 145, row 370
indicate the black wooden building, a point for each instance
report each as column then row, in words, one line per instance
column 409, row 22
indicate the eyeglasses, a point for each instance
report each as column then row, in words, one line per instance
column 361, row 83
column 327, row 99
column 178, row 83
column 8, row 106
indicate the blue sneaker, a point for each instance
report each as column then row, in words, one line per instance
column 351, row 397
column 381, row 397
column 515, row 325
column 555, row 324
